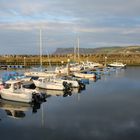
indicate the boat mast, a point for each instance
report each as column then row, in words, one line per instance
column 74, row 51
column 78, row 47
column 40, row 48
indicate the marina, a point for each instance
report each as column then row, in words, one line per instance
column 21, row 87
column 106, row 108
column 69, row 70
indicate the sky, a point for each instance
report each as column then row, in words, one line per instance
column 97, row 23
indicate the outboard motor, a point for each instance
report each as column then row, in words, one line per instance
column 98, row 76
column 81, row 85
column 68, row 86
column 38, row 97
column 43, row 97
column 64, row 84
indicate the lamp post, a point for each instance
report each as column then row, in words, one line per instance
column 24, row 62
column 62, row 62
column 68, row 72
column 105, row 60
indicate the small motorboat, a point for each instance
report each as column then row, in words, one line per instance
column 47, row 83
column 14, row 91
column 117, row 64
column 61, row 80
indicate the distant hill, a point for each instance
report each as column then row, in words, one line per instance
column 127, row 49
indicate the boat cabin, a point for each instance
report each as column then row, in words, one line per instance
column 13, row 85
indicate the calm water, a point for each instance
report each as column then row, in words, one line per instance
column 108, row 109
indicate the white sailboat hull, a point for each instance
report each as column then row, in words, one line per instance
column 40, row 74
column 74, row 84
column 83, row 75
column 48, row 85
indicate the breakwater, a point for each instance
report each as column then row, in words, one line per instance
column 34, row 60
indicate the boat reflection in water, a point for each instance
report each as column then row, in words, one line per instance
column 50, row 93
column 17, row 110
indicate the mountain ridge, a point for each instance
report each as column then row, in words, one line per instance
column 114, row 49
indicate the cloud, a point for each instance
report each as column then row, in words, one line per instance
column 98, row 22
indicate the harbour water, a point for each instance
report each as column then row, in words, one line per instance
column 108, row 109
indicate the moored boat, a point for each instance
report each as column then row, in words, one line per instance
column 45, row 83
column 14, row 91
column 61, row 80
column 84, row 75
column 117, row 64
column 40, row 73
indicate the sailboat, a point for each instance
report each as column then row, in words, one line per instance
column 73, row 67
column 40, row 73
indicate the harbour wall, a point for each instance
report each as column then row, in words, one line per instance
column 20, row 61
